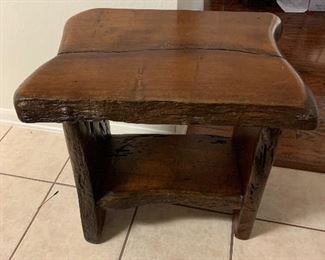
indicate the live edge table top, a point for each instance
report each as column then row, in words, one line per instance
column 169, row 67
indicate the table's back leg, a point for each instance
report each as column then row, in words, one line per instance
column 86, row 141
column 255, row 148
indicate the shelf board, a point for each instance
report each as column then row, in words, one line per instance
column 193, row 170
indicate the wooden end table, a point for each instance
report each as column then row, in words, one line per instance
column 169, row 67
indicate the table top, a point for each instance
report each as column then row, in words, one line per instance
column 172, row 67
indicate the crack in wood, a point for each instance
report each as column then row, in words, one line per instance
column 183, row 48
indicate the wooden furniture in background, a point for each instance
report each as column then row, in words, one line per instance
column 171, row 67
column 302, row 43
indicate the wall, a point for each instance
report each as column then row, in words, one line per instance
column 31, row 32
column 190, row 4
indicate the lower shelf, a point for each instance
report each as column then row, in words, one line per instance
column 192, row 170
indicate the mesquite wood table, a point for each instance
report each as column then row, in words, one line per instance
column 169, row 67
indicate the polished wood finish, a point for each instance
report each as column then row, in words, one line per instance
column 176, row 67
column 226, row 131
column 255, row 149
column 190, row 80
column 86, row 142
column 132, row 170
column 119, row 31
column 195, row 170
column 303, row 44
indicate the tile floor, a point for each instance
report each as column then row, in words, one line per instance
column 40, row 217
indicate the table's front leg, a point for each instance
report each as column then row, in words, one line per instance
column 86, row 141
column 255, row 148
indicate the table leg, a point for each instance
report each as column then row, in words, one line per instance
column 86, row 141
column 255, row 148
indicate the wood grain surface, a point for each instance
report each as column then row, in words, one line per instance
column 192, row 170
column 302, row 43
column 118, row 31
column 86, row 142
column 170, row 67
column 255, row 152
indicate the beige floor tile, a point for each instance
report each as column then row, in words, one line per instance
column 56, row 232
column 19, row 200
column 66, row 177
column 3, row 129
column 172, row 232
column 280, row 242
column 295, row 197
column 32, row 153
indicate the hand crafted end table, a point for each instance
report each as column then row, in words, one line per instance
column 169, row 67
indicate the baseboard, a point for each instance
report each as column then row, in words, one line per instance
column 9, row 116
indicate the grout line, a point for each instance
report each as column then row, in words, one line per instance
column 203, row 209
column 65, row 184
column 5, row 134
column 231, row 249
column 260, row 219
column 37, row 211
column 26, row 178
column 40, row 180
column 127, row 234
column 65, row 164
column 34, row 179
column 291, row 225
column 54, row 194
